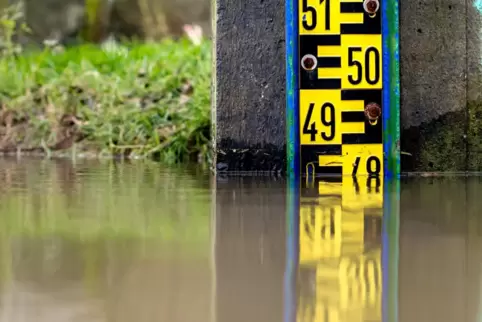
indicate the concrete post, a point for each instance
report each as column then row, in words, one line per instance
column 249, row 86
column 433, row 57
column 441, row 74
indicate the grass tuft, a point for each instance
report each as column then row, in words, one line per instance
column 133, row 100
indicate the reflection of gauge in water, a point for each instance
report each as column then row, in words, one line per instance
column 309, row 62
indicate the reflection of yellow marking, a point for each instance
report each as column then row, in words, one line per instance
column 360, row 281
column 326, row 313
column 319, row 232
column 330, row 188
column 348, row 280
column 363, row 198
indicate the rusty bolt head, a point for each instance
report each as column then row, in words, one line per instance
column 309, row 62
column 371, row 6
column 373, row 112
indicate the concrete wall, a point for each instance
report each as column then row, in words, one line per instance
column 441, row 101
column 249, row 79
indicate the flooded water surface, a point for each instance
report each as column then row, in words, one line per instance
column 135, row 241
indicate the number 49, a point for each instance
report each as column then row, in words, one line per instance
column 328, row 122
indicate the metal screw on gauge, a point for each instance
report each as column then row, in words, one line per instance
column 309, row 62
column 373, row 112
column 371, row 7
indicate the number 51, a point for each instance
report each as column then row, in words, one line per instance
column 312, row 11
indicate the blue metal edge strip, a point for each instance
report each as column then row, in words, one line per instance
column 390, row 249
column 292, row 66
column 387, row 139
column 391, row 89
column 292, row 249
column 293, row 161
column 391, row 150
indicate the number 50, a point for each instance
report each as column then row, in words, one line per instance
column 370, row 53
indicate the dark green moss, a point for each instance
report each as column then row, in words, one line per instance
column 474, row 136
column 439, row 145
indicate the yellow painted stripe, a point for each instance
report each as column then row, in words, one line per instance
column 329, row 51
column 351, row 17
column 353, row 106
column 329, row 72
column 358, row 127
column 327, row 188
column 330, row 160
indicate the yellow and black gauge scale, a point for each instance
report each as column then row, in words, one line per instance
column 340, row 87
column 340, row 250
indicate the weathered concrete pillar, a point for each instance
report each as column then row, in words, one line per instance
column 433, row 58
column 441, row 85
column 474, row 85
column 249, row 85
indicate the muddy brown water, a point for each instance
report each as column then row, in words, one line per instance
column 136, row 241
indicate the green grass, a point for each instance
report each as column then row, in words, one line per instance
column 144, row 100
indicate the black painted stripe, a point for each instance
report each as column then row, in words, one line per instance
column 348, row 7
column 326, row 83
column 352, row 116
column 328, row 180
column 312, row 151
column 310, row 42
column 368, row 95
column 373, row 135
column 329, row 62
column 360, row 29
column 329, row 170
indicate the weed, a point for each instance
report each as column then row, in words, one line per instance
column 132, row 100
